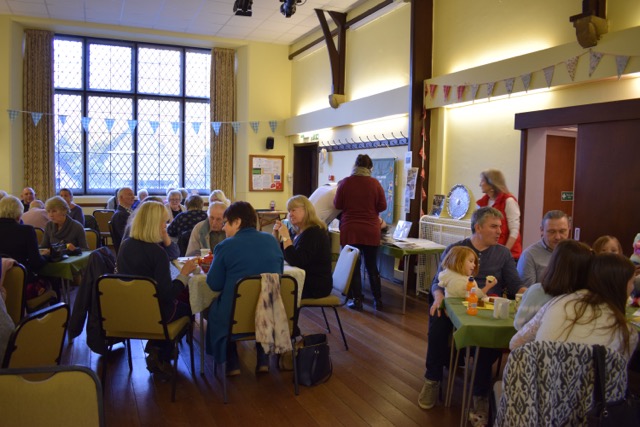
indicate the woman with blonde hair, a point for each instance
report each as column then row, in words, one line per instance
column 219, row 196
column 142, row 255
column 496, row 195
column 310, row 247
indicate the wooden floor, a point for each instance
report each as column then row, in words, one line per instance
column 376, row 382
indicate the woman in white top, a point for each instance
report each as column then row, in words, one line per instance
column 594, row 315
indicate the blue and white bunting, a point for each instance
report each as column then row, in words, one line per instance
column 196, row 127
column 175, row 126
column 13, row 114
column 254, row 126
column 85, row 121
column 235, row 126
column 62, row 118
column 273, row 124
column 36, row 118
column 216, row 127
column 154, row 125
column 132, row 125
column 109, row 123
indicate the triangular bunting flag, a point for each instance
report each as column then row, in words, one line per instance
column 62, row 118
column 572, row 65
column 548, row 74
column 594, row 60
column 235, row 126
column 254, row 126
column 432, row 90
column 85, row 121
column 446, row 90
column 216, row 127
column 175, row 126
column 273, row 124
column 526, row 81
column 461, row 92
column 109, row 123
column 621, row 64
column 13, row 114
column 154, row 125
column 196, row 127
column 490, row 87
column 132, row 125
column 474, row 90
column 36, row 118
column 509, row 84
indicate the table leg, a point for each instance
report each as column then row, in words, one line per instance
column 463, row 419
column 466, row 404
column 405, row 282
column 202, row 343
column 66, row 298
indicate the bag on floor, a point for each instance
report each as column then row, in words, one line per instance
column 313, row 360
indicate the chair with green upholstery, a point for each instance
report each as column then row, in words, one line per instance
column 38, row 339
column 341, row 282
column 130, row 309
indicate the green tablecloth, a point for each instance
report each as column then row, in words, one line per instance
column 481, row 330
column 66, row 269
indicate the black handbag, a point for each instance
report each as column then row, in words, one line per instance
column 622, row 413
column 313, row 360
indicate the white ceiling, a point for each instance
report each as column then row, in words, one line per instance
column 205, row 17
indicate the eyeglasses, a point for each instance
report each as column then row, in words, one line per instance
column 224, row 223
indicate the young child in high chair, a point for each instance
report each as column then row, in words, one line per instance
column 458, row 265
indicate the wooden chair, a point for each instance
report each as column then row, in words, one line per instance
column 342, row 275
column 130, row 309
column 243, row 316
column 38, row 339
column 15, row 283
column 93, row 238
column 39, row 234
column 51, row 396
column 103, row 216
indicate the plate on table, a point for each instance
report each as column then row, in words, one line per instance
column 184, row 259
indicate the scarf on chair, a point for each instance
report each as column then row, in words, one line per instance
column 360, row 171
column 272, row 325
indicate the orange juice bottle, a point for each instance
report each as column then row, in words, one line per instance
column 472, row 308
column 470, row 285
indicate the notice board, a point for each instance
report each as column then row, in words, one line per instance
column 266, row 173
column 384, row 170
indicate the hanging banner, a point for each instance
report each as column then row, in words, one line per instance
column 490, row 87
column 509, row 84
column 594, row 60
column 36, row 118
column 63, row 119
column 572, row 65
column 273, row 124
column 216, row 127
column 196, row 127
column 85, row 121
column 548, row 74
column 109, row 123
column 154, row 125
column 254, row 126
column 474, row 91
column 235, row 126
column 132, row 125
column 175, row 126
column 460, row 94
column 446, row 89
column 526, row 81
column 621, row 64
column 13, row 114
column 432, row 90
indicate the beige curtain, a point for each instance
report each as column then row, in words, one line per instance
column 37, row 97
column 223, row 109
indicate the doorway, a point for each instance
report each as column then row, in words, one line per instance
column 305, row 168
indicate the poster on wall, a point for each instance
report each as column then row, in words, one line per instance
column 266, row 173
column 384, row 170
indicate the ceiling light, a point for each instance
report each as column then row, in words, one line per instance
column 242, row 7
column 288, row 7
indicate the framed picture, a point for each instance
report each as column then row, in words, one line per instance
column 438, row 204
column 266, row 173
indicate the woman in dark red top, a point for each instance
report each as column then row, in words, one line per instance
column 361, row 198
column 496, row 195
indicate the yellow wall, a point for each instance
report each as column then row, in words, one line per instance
column 11, row 178
column 468, row 138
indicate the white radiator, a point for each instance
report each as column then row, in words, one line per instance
column 440, row 230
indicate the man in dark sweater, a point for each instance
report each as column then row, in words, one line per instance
column 121, row 216
column 495, row 260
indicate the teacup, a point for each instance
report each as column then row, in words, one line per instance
column 501, row 308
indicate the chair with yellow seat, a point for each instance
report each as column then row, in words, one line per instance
column 103, row 216
column 243, row 316
column 51, row 396
column 130, row 309
column 39, row 234
column 342, row 275
column 93, row 238
column 38, row 339
column 14, row 283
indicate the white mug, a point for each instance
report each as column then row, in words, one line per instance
column 501, row 308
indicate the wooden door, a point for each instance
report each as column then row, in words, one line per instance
column 560, row 156
column 305, row 169
column 607, row 183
